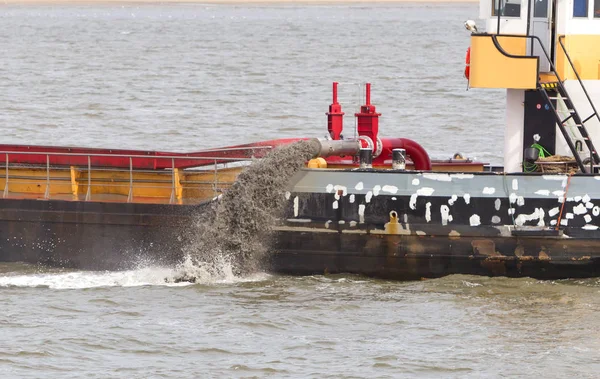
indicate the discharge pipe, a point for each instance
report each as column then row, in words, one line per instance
column 335, row 148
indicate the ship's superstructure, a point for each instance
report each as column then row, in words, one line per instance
column 546, row 53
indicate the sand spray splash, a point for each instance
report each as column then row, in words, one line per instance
column 235, row 235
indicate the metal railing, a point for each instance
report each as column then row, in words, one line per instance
column 587, row 95
column 561, row 89
column 174, row 178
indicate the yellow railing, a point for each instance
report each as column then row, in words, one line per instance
column 89, row 183
column 502, row 62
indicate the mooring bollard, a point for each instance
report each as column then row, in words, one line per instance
column 399, row 159
column 366, row 158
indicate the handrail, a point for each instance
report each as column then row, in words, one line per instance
column 156, row 184
column 560, row 42
column 572, row 147
column 124, row 155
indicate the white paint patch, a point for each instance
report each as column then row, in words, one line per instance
column 425, row 191
column 428, row 212
column 394, row 198
column 462, row 176
column 420, row 233
column 390, row 189
column 559, row 193
column 520, row 201
column 589, row 205
column 413, row 201
column 569, row 216
column 359, row 186
column 596, row 211
column 445, row 213
column 589, row 227
column 553, row 212
column 329, row 188
column 564, row 222
column 538, row 214
column 489, row 190
column 327, row 224
column 542, row 192
column 452, row 199
column 353, row 223
column 512, row 198
column 352, row 198
column 511, row 211
column 580, row 209
column 515, row 185
column 467, row 198
column 586, row 198
column 587, row 218
column 553, row 177
column 342, row 222
column 552, row 222
column 577, row 198
column 475, row 220
column 497, row 204
column 296, row 205
column 496, row 219
column 335, row 205
column 438, row 177
column 376, row 190
column 405, row 218
column 597, row 177
column 287, row 195
column 368, row 196
column 416, row 182
column 361, row 213
column 570, row 199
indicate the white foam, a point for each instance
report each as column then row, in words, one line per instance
column 215, row 273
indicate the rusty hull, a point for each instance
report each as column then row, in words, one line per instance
column 410, row 257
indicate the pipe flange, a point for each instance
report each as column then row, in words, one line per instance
column 368, row 141
column 379, row 149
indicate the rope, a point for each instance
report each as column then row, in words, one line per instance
column 542, row 153
column 562, row 207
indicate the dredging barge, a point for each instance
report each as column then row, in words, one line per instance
column 366, row 212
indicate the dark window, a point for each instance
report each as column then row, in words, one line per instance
column 580, row 8
column 508, row 8
column 540, row 8
column 597, row 8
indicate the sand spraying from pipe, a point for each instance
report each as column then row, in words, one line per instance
column 236, row 233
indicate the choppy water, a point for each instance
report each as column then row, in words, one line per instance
column 184, row 77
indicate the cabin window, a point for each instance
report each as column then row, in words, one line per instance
column 580, row 8
column 508, row 8
column 540, row 8
column 597, row 8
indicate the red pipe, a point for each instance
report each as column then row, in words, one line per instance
column 335, row 85
column 416, row 152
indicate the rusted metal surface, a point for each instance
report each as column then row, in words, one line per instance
column 410, row 257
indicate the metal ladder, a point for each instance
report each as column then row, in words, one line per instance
column 572, row 115
column 561, row 120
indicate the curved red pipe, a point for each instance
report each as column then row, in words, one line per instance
column 416, row 152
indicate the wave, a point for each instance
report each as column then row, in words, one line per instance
column 215, row 273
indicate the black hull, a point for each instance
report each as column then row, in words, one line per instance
column 417, row 257
column 396, row 236
column 93, row 235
